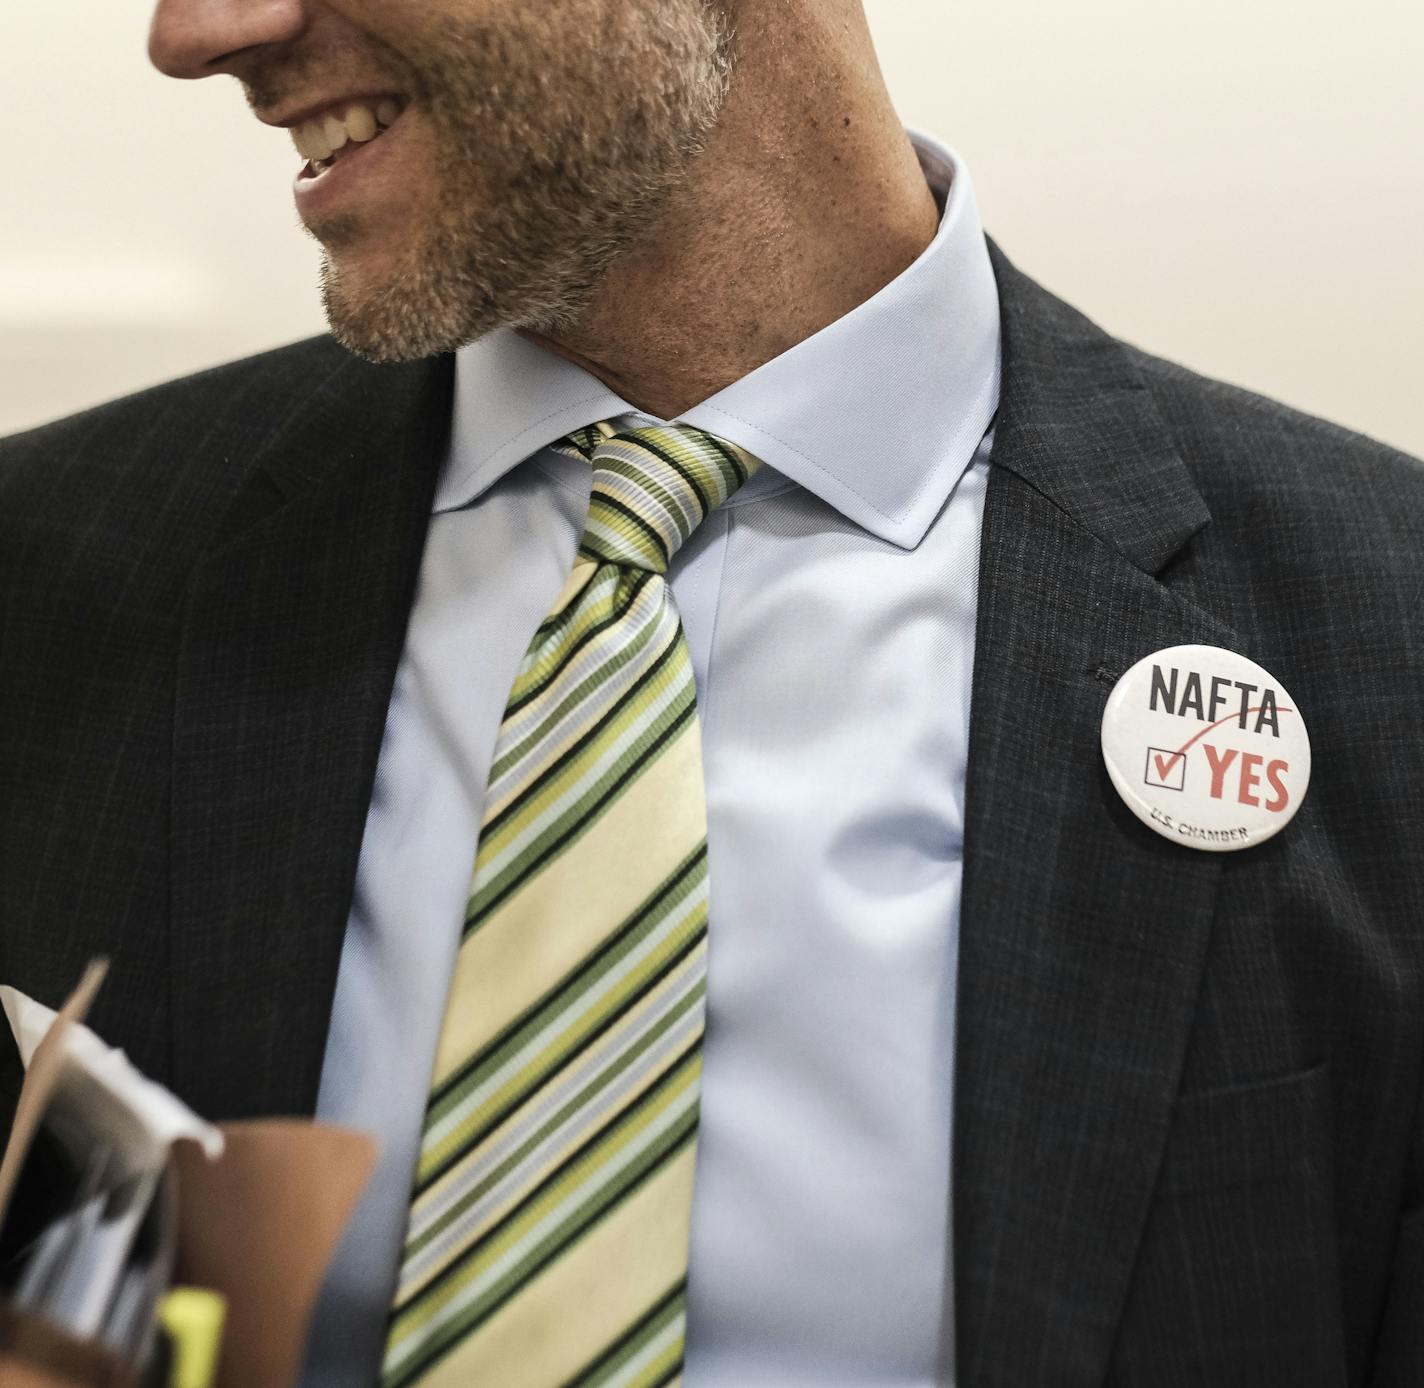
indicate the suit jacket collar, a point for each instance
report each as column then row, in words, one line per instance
column 1082, row 934
column 1077, row 424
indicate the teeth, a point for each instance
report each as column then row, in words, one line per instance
column 310, row 140
column 319, row 139
column 360, row 123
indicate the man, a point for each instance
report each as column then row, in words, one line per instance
column 999, row 1085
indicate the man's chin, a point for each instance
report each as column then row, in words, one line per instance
column 384, row 313
column 427, row 304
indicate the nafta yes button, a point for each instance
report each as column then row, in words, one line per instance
column 1206, row 747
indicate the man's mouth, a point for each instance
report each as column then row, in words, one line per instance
column 326, row 139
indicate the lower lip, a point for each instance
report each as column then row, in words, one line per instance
column 344, row 181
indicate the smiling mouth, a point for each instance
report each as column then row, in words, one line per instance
column 326, row 139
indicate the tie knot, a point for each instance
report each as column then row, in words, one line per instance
column 652, row 487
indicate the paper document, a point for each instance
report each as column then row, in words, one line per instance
column 113, row 1194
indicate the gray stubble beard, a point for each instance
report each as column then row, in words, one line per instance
column 563, row 186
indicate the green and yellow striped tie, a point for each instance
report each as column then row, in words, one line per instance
column 547, row 1242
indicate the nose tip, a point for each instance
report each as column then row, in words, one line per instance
column 197, row 38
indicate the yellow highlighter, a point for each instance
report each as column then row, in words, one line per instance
column 193, row 1318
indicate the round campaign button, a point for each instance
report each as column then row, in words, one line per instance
column 1206, row 747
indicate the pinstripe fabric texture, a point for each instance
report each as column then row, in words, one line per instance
column 547, row 1241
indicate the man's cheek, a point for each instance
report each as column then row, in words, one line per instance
column 397, row 20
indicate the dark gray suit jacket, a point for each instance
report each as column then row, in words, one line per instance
column 1189, row 1147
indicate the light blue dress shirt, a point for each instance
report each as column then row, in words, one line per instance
column 829, row 609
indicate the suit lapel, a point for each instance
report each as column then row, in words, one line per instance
column 1083, row 933
column 293, row 631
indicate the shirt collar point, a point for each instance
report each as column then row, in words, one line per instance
column 505, row 386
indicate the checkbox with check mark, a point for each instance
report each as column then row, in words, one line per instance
column 1166, row 769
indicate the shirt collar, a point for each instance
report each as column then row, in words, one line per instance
column 879, row 413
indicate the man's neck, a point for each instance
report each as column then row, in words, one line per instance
column 807, row 200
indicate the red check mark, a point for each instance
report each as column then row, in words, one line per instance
column 1165, row 764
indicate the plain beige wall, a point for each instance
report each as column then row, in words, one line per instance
column 1236, row 184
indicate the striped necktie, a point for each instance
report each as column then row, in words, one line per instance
column 547, row 1242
